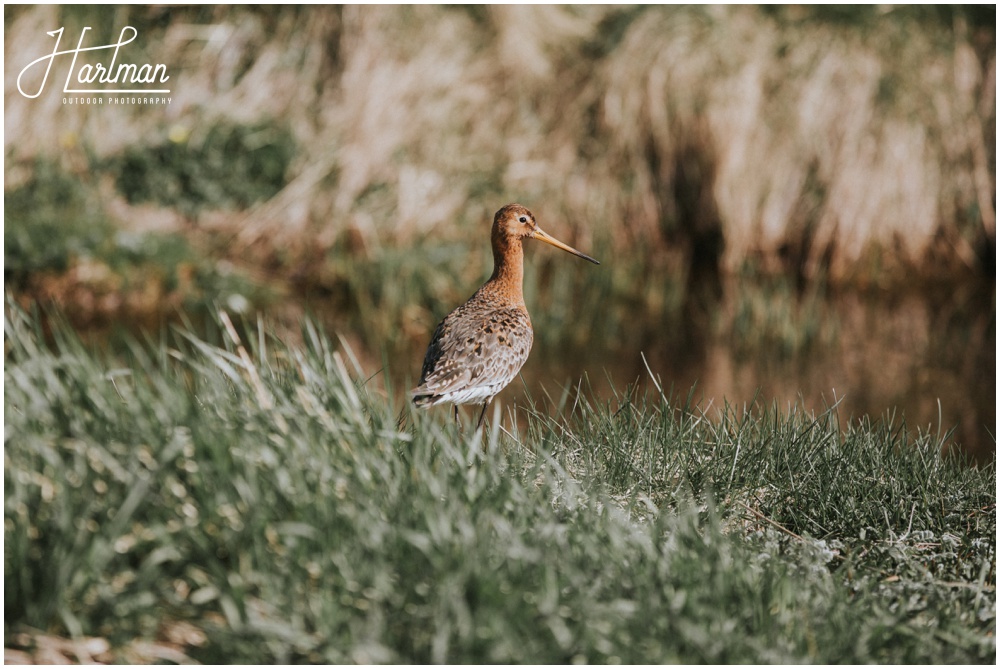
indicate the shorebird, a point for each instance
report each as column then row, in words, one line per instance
column 480, row 346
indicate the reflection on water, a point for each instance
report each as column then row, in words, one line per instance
column 930, row 361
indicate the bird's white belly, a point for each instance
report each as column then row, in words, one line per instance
column 473, row 395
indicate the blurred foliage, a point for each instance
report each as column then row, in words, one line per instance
column 870, row 16
column 233, row 166
column 61, row 247
column 599, row 112
column 774, row 321
column 48, row 220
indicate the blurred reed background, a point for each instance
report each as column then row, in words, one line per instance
column 788, row 201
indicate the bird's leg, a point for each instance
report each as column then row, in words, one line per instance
column 457, row 421
column 482, row 416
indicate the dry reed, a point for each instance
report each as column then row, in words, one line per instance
column 812, row 146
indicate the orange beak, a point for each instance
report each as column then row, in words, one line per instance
column 540, row 235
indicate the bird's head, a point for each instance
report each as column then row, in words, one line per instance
column 516, row 222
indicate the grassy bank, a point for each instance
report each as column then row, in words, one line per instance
column 257, row 502
column 643, row 128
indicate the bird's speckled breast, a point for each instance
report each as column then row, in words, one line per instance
column 476, row 350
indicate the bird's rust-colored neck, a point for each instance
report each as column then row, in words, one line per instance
column 507, row 280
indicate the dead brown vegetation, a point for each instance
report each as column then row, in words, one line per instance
column 705, row 136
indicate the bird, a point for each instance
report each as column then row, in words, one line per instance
column 480, row 346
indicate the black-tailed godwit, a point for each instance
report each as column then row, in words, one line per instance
column 479, row 347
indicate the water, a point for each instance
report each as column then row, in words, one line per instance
column 928, row 359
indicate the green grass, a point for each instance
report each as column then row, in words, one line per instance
column 265, row 494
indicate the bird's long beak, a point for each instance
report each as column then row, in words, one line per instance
column 541, row 235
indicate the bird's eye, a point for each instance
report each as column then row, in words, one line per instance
column 523, row 219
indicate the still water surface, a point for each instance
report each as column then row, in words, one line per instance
column 928, row 360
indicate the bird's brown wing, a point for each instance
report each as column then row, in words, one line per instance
column 474, row 347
